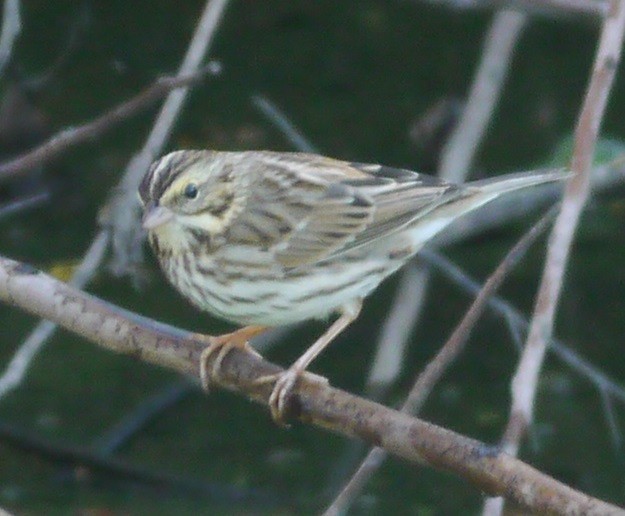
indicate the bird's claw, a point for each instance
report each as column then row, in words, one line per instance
column 281, row 396
column 282, row 392
column 212, row 376
column 222, row 345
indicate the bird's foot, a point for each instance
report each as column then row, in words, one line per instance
column 282, row 393
column 222, row 345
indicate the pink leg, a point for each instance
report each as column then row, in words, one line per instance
column 285, row 382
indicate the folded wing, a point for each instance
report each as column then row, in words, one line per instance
column 306, row 208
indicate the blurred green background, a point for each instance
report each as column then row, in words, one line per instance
column 355, row 77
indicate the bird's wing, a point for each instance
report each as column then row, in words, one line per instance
column 306, row 208
column 400, row 197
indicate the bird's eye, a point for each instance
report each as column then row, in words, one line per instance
column 190, row 191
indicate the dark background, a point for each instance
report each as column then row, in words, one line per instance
column 354, row 77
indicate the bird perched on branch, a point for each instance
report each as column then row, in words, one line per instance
column 264, row 239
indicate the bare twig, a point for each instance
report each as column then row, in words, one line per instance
column 67, row 138
column 541, row 326
column 316, row 402
column 608, row 411
column 503, row 34
column 125, row 218
column 438, row 365
column 525, row 380
column 78, row 28
column 452, row 348
column 147, row 411
column 11, row 28
column 395, row 333
column 24, row 203
column 594, row 9
column 280, row 120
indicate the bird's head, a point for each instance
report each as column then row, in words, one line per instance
column 188, row 192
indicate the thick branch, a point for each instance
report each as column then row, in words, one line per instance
column 316, row 402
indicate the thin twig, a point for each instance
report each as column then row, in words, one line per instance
column 395, row 333
column 78, row 28
column 281, row 121
column 440, row 363
column 115, row 437
column 593, row 9
column 541, row 326
column 24, row 203
column 125, row 218
column 316, row 402
column 610, row 416
column 452, row 348
column 525, row 381
column 499, row 45
column 11, row 28
column 70, row 137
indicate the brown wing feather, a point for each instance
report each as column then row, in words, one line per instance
column 400, row 197
column 338, row 217
column 306, row 208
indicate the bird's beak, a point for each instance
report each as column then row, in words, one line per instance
column 155, row 216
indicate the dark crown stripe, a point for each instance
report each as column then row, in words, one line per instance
column 163, row 175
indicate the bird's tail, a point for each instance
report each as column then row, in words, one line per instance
column 476, row 194
column 496, row 186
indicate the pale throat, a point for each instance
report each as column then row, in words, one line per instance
column 172, row 235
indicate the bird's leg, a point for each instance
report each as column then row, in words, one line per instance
column 285, row 382
column 222, row 345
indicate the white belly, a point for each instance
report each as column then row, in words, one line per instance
column 276, row 296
